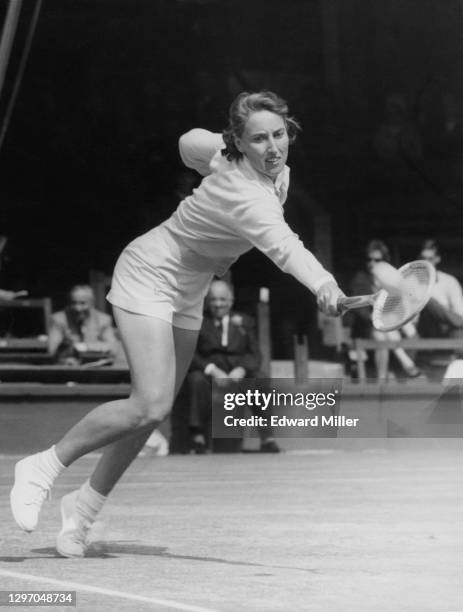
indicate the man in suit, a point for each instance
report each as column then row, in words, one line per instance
column 81, row 332
column 227, row 352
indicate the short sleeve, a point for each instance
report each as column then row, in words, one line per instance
column 197, row 147
column 455, row 296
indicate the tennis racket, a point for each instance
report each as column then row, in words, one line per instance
column 408, row 291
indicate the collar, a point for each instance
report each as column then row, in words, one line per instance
column 224, row 320
column 279, row 187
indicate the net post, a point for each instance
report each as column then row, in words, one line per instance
column 301, row 358
column 362, row 375
column 263, row 331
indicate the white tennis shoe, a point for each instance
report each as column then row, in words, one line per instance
column 72, row 539
column 28, row 494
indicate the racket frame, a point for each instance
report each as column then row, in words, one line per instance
column 376, row 300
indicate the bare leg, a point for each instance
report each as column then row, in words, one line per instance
column 149, row 345
column 405, row 360
column 119, row 455
column 382, row 363
column 381, row 355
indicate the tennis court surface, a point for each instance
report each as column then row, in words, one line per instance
column 354, row 530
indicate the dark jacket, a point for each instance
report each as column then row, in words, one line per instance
column 242, row 348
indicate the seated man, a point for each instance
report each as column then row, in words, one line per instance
column 227, row 349
column 81, row 332
column 443, row 314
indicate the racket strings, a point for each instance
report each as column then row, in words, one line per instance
column 392, row 310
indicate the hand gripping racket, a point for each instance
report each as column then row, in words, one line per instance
column 408, row 291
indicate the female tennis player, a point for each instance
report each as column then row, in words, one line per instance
column 157, row 293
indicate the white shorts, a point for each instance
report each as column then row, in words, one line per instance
column 156, row 276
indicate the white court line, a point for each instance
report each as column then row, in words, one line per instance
column 213, row 483
column 93, row 589
column 314, row 451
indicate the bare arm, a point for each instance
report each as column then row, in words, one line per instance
column 456, row 297
column 55, row 337
column 107, row 341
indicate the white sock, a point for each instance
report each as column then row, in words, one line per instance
column 89, row 502
column 48, row 466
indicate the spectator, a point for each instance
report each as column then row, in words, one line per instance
column 80, row 329
column 227, row 352
column 443, row 315
column 5, row 294
column 364, row 283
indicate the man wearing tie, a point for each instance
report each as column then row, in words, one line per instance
column 227, row 351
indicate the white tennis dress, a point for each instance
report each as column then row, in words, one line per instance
column 166, row 272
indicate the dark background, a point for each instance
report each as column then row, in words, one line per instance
column 90, row 159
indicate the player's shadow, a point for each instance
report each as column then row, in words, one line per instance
column 111, row 549
column 50, row 553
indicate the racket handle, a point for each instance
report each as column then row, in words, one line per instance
column 358, row 301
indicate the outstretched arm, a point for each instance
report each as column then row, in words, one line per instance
column 456, row 297
column 261, row 222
